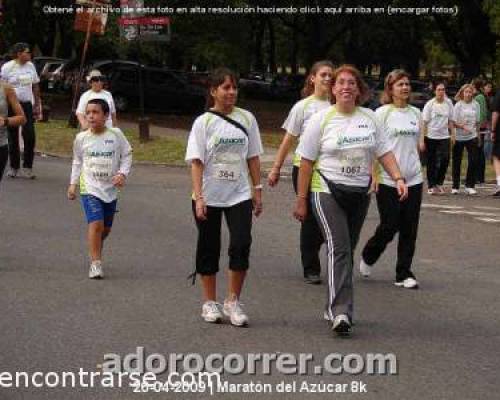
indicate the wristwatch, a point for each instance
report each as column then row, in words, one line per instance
column 400, row 178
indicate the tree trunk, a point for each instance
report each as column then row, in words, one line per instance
column 272, row 46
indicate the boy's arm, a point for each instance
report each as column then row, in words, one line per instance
column 76, row 169
column 125, row 156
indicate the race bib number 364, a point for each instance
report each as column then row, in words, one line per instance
column 227, row 172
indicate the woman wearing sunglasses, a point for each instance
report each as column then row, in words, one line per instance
column 96, row 91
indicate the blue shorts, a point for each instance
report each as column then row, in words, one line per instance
column 97, row 210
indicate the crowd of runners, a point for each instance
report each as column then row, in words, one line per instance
column 344, row 152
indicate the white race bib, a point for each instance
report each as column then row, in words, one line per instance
column 353, row 162
column 227, row 172
column 101, row 168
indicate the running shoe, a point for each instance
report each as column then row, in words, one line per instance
column 12, row 173
column 210, row 312
column 312, row 279
column 454, row 191
column 28, row 173
column 364, row 269
column 95, row 271
column 430, row 191
column 233, row 310
column 408, row 283
column 341, row 325
column 470, row 191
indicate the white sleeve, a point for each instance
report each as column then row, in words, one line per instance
column 426, row 114
column 112, row 108
column 197, row 142
column 125, row 153
column 452, row 110
column 36, row 78
column 456, row 112
column 254, row 140
column 309, row 145
column 3, row 72
column 82, row 103
column 295, row 121
column 382, row 142
column 76, row 167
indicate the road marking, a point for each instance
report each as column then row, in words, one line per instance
column 475, row 213
column 428, row 205
column 487, row 208
column 492, row 220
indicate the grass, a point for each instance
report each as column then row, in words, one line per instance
column 56, row 137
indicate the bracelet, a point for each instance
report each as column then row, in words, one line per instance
column 198, row 197
column 400, row 178
column 258, row 187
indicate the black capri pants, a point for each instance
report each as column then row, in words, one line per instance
column 239, row 222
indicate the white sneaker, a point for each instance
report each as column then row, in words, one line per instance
column 454, row 191
column 28, row 173
column 233, row 310
column 95, row 271
column 364, row 269
column 430, row 191
column 12, row 173
column 210, row 312
column 408, row 283
column 470, row 191
column 341, row 325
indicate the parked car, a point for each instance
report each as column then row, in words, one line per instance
column 48, row 71
column 271, row 87
column 40, row 62
column 164, row 90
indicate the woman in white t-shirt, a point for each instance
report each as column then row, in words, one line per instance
column 402, row 126
column 96, row 91
column 223, row 149
column 341, row 142
column 316, row 96
column 437, row 123
column 466, row 118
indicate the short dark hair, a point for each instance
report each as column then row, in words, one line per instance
column 217, row 78
column 103, row 103
column 18, row 48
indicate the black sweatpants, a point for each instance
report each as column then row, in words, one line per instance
column 239, row 223
column 396, row 216
column 458, row 151
column 438, row 159
column 341, row 228
column 311, row 237
column 481, row 160
column 4, row 155
column 28, row 133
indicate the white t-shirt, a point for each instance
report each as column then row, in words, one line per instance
column 97, row 158
column 299, row 115
column 91, row 95
column 468, row 114
column 437, row 115
column 402, row 128
column 224, row 150
column 343, row 146
column 22, row 77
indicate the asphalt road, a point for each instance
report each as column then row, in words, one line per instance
column 445, row 335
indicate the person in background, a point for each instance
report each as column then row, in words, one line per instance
column 483, row 97
column 316, row 92
column 466, row 114
column 437, row 123
column 96, row 81
column 8, row 100
column 21, row 74
column 495, row 136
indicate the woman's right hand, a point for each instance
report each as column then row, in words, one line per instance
column 201, row 209
column 273, row 177
column 300, row 211
column 374, row 186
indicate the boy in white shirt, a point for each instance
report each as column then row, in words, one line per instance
column 101, row 163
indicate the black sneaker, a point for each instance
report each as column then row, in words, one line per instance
column 312, row 279
column 342, row 325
